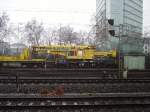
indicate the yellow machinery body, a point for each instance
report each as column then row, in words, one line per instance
column 21, row 57
column 111, row 54
column 68, row 52
column 74, row 52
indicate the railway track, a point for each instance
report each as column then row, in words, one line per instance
column 59, row 69
column 79, row 85
column 107, row 73
column 74, row 72
column 85, row 90
column 73, row 81
column 55, row 70
column 72, row 103
column 139, row 74
column 67, row 80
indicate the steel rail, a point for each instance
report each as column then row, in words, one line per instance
column 97, row 80
column 94, row 101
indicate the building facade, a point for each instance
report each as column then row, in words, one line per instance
column 126, row 12
column 129, row 13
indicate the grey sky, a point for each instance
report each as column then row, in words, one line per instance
column 146, row 14
column 55, row 12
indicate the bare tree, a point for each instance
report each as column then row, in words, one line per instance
column 16, row 32
column 67, row 35
column 33, row 32
column 146, row 33
column 85, row 37
column 51, row 35
column 99, row 33
column 4, row 28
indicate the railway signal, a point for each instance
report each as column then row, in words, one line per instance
column 111, row 29
column 111, row 21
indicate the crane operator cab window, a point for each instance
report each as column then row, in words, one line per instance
column 80, row 53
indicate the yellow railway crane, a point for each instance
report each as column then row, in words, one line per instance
column 38, row 55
